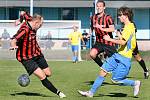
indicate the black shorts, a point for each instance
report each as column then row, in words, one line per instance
column 32, row 64
column 136, row 50
column 109, row 50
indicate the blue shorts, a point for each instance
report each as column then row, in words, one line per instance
column 118, row 65
column 74, row 48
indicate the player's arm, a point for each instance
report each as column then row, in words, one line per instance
column 123, row 37
column 13, row 44
column 110, row 29
column 116, row 41
column 91, row 28
column 69, row 37
column 70, row 40
column 20, row 34
column 90, row 33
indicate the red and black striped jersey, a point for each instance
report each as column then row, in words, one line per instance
column 27, row 44
column 105, row 21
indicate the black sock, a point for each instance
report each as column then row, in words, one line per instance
column 142, row 63
column 98, row 61
column 50, row 86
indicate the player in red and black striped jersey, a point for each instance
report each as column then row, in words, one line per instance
column 102, row 24
column 28, row 51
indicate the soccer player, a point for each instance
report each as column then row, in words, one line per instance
column 74, row 41
column 102, row 24
column 119, row 63
column 29, row 53
column 140, row 60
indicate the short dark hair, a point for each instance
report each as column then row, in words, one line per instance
column 101, row 1
column 126, row 11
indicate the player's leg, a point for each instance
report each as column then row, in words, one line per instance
column 42, row 63
column 120, row 73
column 75, row 53
column 46, row 83
column 97, row 83
column 106, row 67
column 95, row 51
column 47, row 72
column 33, row 66
column 140, row 60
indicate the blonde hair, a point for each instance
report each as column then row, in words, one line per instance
column 37, row 17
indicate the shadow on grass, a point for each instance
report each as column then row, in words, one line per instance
column 104, row 83
column 29, row 94
column 113, row 95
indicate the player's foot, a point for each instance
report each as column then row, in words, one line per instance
column 146, row 75
column 61, row 95
column 86, row 93
column 74, row 61
column 137, row 87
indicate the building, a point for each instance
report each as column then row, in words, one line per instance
column 79, row 10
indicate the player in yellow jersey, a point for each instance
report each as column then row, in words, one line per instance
column 139, row 59
column 74, row 39
column 119, row 63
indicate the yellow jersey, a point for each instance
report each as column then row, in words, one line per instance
column 128, row 34
column 75, row 36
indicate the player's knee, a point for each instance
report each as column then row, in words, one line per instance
column 48, row 74
column 42, row 78
column 93, row 54
column 102, row 73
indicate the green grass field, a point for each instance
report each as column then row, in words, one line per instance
column 68, row 77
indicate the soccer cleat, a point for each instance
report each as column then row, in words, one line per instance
column 146, row 75
column 86, row 93
column 61, row 95
column 137, row 87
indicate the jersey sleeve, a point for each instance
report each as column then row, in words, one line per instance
column 20, row 34
column 80, row 34
column 109, row 20
column 69, row 36
column 126, row 33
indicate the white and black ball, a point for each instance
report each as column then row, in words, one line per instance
column 23, row 80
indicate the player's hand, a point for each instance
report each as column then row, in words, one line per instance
column 99, row 26
column 17, row 22
column 106, row 37
column 22, row 12
column 13, row 48
column 118, row 34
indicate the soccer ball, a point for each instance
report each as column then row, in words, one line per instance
column 23, row 80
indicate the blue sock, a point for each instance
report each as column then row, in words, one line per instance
column 127, row 82
column 73, row 58
column 97, row 83
column 76, row 58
